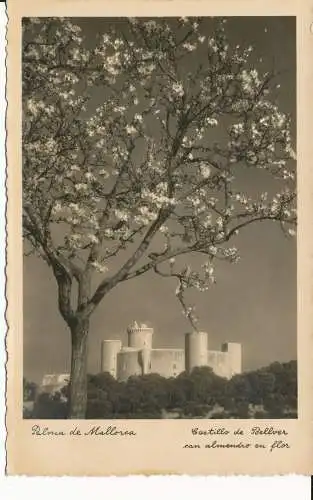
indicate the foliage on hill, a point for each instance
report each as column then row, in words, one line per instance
column 269, row 392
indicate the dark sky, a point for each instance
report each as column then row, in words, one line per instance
column 253, row 302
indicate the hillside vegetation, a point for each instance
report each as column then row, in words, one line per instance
column 269, row 392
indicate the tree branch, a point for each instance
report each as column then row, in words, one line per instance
column 107, row 284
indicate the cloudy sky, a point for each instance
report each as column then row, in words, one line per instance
column 253, row 302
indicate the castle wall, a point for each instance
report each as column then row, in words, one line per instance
column 196, row 347
column 234, row 352
column 145, row 360
column 109, row 351
column 167, row 362
column 128, row 363
column 219, row 362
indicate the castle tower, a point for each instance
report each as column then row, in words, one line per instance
column 145, row 360
column 196, row 350
column 234, row 353
column 109, row 351
column 139, row 336
column 128, row 363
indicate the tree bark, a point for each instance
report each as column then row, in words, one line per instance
column 78, row 378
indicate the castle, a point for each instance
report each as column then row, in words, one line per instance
column 140, row 358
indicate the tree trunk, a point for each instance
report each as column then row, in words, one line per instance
column 78, row 378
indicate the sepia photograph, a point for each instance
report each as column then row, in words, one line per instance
column 159, row 218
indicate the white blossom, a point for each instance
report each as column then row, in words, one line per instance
column 81, row 186
column 178, row 88
column 211, row 121
column 93, row 238
column 99, row 267
column 138, row 117
column 189, row 46
column 131, row 130
column 121, row 215
column 205, row 171
column 163, row 229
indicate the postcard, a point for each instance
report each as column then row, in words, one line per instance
column 159, row 249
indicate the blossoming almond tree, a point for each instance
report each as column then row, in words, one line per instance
column 152, row 172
